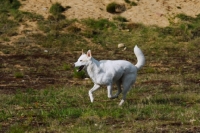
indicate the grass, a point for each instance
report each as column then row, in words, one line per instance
column 132, row 3
column 56, row 9
column 69, row 109
column 120, row 19
column 12, row 4
column 111, row 7
column 53, row 97
column 18, row 75
column 80, row 75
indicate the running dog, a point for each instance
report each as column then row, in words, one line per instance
column 107, row 72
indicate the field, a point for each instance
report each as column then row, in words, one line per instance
column 40, row 90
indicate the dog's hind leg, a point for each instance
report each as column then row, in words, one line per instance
column 126, row 87
column 124, row 92
column 119, row 89
column 94, row 88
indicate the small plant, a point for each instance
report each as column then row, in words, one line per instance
column 132, row 26
column 133, row 3
column 5, row 51
column 18, row 75
column 6, row 39
column 56, row 9
column 100, row 24
column 111, row 8
column 73, row 29
column 9, row 4
column 79, row 75
column 120, row 19
column 66, row 67
column 185, row 17
column 127, row 1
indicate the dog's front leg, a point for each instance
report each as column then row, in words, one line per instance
column 109, row 88
column 95, row 87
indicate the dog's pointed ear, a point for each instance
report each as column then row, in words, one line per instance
column 82, row 52
column 89, row 54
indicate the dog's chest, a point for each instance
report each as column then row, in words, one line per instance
column 99, row 76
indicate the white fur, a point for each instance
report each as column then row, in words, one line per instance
column 107, row 72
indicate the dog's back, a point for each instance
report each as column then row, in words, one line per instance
column 115, row 69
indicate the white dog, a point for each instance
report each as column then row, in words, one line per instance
column 107, row 72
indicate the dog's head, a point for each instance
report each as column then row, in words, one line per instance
column 83, row 60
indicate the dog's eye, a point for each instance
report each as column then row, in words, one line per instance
column 81, row 60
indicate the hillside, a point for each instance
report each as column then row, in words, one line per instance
column 148, row 12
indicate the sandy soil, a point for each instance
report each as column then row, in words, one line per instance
column 148, row 12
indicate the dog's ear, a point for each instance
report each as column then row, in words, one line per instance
column 89, row 54
column 82, row 52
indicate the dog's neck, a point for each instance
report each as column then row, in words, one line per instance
column 93, row 68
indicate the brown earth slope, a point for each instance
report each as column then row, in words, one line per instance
column 149, row 12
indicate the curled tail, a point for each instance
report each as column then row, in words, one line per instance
column 140, row 57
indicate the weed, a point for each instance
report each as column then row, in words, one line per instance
column 101, row 24
column 120, row 19
column 66, row 67
column 56, row 9
column 80, row 74
column 133, row 3
column 18, row 75
column 74, row 29
column 134, row 26
column 6, row 51
column 127, row 1
column 8, row 27
column 185, row 17
column 54, row 25
column 6, row 39
column 21, row 16
column 195, row 33
column 111, row 7
column 149, row 69
column 9, row 4
column 16, row 128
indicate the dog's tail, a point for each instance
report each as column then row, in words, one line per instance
column 140, row 57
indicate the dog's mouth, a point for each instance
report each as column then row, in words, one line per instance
column 80, row 68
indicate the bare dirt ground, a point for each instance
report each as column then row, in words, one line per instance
column 148, row 12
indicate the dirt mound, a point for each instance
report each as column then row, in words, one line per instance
column 148, row 12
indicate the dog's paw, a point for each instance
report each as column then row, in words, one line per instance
column 110, row 97
column 122, row 101
column 91, row 97
column 92, row 100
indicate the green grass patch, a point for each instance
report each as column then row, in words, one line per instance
column 18, row 75
column 120, row 19
column 79, row 75
column 9, row 4
column 56, row 9
column 66, row 67
column 71, row 106
column 101, row 24
column 111, row 7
